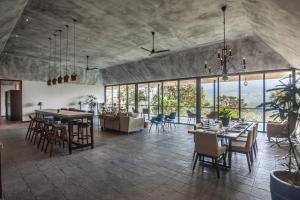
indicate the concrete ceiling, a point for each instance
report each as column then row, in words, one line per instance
column 112, row 32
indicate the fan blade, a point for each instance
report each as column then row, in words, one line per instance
column 87, row 69
column 160, row 51
column 145, row 49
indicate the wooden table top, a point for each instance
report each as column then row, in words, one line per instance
column 231, row 133
column 64, row 113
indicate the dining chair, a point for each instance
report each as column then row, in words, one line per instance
column 159, row 120
column 206, row 145
column 190, row 116
column 171, row 119
column 243, row 138
column 245, row 147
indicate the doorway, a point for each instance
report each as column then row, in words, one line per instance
column 10, row 100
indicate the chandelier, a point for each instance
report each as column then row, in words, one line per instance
column 225, row 54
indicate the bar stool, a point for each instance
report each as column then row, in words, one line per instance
column 48, row 125
column 83, row 132
column 58, row 133
column 37, row 129
column 30, row 127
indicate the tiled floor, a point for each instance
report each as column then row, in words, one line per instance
column 136, row 166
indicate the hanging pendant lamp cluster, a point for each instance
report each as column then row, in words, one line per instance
column 53, row 61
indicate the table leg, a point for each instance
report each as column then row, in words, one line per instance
column 70, row 137
column 92, row 132
column 229, row 154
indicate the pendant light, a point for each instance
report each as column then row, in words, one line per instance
column 49, row 82
column 245, row 82
column 74, row 75
column 66, row 77
column 59, row 79
column 54, row 59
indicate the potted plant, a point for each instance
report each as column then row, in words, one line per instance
column 285, row 104
column 224, row 115
column 91, row 101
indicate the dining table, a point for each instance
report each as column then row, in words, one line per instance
column 229, row 133
column 69, row 116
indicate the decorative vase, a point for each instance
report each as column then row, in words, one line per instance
column 225, row 121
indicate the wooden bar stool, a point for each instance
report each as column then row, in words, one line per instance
column 58, row 133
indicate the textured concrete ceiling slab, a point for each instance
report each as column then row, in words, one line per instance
column 112, row 32
column 277, row 22
column 190, row 62
column 11, row 11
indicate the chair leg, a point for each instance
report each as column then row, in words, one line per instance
column 29, row 129
column 254, row 150
column 224, row 159
column 194, row 154
column 40, row 140
column 251, row 156
column 217, row 167
column 195, row 162
column 248, row 161
column 150, row 127
column 46, row 146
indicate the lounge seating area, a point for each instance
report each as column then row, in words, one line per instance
column 149, row 100
column 123, row 122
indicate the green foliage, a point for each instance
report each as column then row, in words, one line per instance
column 91, row 101
column 285, row 104
column 225, row 113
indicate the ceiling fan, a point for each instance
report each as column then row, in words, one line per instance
column 87, row 65
column 153, row 51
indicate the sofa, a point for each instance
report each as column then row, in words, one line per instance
column 123, row 122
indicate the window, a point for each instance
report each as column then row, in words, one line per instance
column 155, row 98
column 272, row 80
column 229, row 95
column 251, row 97
column 131, row 97
column 187, row 99
column 115, row 97
column 142, row 97
column 170, row 97
column 108, row 98
column 123, row 98
column 208, row 95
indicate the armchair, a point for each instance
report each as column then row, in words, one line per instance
column 277, row 129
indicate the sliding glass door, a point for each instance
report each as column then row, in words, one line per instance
column 187, row 99
column 240, row 93
column 170, row 97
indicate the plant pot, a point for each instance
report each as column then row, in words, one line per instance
column 225, row 121
column 281, row 190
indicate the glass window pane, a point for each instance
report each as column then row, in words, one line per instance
column 170, row 102
column 131, row 97
column 155, row 98
column 108, row 98
column 187, row 99
column 229, row 95
column 123, row 98
column 115, row 97
column 251, row 97
column 208, row 95
column 142, row 97
column 272, row 80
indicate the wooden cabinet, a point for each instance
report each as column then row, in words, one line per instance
column 13, row 101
